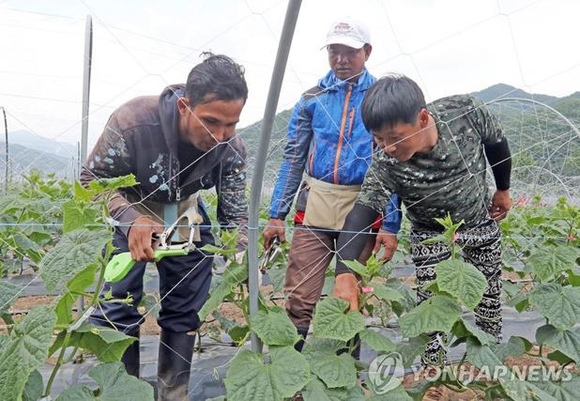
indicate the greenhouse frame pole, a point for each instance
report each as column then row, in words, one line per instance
column 85, row 109
column 7, row 159
column 86, row 89
column 256, row 190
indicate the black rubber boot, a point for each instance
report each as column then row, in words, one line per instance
column 303, row 331
column 174, row 365
column 131, row 358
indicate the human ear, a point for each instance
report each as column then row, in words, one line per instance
column 368, row 49
column 183, row 105
column 423, row 118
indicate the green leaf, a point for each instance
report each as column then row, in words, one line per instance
column 332, row 320
column 77, row 215
column 560, row 305
column 387, row 293
column 437, row 313
column 34, row 387
column 77, row 393
column 26, row 350
column 106, row 343
column 328, row 287
column 334, row 370
column 105, row 184
column 323, row 344
column 359, row 268
column 277, row 277
column 410, row 349
column 462, row 280
column 239, row 333
column 114, row 384
column 215, row 299
column 481, row 356
column 81, row 193
column 515, row 346
column 559, row 357
column 71, row 292
column 548, row 262
column 377, row 341
column 72, row 254
column 521, row 390
column 566, row 389
column 234, row 275
column 8, row 294
column 565, row 341
column 28, row 247
column 523, row 304
column 396, row 394
column 462, row 329
column 274, row 327
column 315, row 390
column 408, row 301
column 249, row 378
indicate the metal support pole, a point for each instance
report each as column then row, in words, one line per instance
column 267, row 123
column 85, row 110
column 86, row 88
column 7, row 159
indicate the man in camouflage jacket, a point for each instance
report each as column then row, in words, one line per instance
column 434, row 159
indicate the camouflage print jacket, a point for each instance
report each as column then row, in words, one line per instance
column 451, row 178
column 141, row 137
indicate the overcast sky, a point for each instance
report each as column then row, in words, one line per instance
column 139, row 46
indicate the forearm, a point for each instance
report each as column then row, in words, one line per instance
column 499, row 158
column 354, row 236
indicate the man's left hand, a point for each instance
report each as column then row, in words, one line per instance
column 346, row 287
column 388, row 240
column 501, row 203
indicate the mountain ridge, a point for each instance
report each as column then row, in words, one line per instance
column 50, row 156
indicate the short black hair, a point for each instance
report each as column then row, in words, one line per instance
column 393, row 99
column 218, row 77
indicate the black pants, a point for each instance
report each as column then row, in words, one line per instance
column 480, row 246
column 184, row 283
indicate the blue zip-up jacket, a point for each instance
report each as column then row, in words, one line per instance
column 327, row 139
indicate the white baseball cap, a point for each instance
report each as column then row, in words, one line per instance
column 349, row 32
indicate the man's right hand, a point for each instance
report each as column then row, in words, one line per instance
column 275, row 228
column 140, row 238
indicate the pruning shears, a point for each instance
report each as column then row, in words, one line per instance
column 121, row 264
column 270, row 255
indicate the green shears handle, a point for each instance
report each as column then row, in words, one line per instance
column 120, row 264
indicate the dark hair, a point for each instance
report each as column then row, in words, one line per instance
column 391, row 100
column 218, row 77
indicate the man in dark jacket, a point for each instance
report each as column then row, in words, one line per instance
column 176, row 145
column 435, row 158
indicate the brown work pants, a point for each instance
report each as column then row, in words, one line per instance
column 311, row 252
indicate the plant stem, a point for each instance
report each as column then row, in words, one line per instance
column 57, row 365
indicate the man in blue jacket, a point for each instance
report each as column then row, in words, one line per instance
column 328, row 142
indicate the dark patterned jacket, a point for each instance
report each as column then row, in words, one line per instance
column 141, row 137
column 451, row 178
